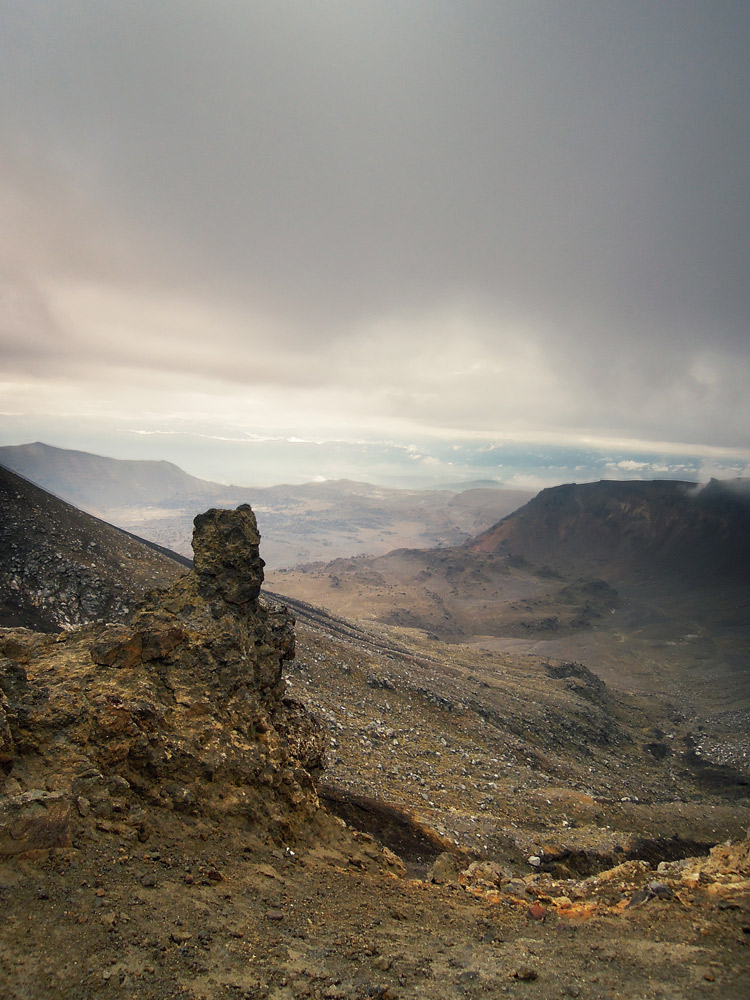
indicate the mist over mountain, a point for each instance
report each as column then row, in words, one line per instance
column 94, row 482
column 158, row 501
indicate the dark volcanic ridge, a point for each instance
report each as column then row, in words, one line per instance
column 694, row 536
column 645, row 583
column 60, row 567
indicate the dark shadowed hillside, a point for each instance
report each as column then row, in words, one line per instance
column 695, row 536
column 646, row 583
column 94, row 482
column 60, row 567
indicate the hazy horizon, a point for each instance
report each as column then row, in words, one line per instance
column 523, row 469
column 410, row 244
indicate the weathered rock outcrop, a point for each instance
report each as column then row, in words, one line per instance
column 182, row 708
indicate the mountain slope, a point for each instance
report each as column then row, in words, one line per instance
column 60, row 566
column 160, row 836
column 646, row 583
column 694, row 536
column 95, row 482
column 408, row 709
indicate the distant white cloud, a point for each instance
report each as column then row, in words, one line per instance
column 715, row 468
column 238, row 439
column 629, row 465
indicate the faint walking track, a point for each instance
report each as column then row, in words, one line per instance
column 311, row 615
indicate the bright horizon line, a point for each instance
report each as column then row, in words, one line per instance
column 444, row 477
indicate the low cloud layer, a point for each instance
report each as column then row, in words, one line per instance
column 510, row 221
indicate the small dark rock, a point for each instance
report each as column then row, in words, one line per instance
column 660, row 890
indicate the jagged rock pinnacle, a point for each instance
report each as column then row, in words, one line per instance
column 226, row 555
column 182, row 708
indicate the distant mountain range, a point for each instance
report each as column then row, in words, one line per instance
column 676, row 536
column 158, row 501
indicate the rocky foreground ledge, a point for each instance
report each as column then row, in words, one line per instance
column 161, row 837
column 182, row 708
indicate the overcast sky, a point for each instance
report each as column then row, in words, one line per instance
column 414, row 227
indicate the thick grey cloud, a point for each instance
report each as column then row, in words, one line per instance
column 475, row 215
